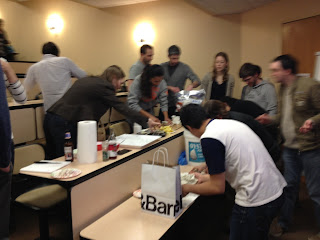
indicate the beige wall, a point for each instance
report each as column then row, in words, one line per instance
column 261, row 37
column 95, row 38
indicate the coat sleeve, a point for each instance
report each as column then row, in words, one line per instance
column 163, row 97
column 230, row 85
column 111, row 100
column 75, row 70
column 30, row 79
column 192, row 76
column 271, row 100
column 205, row 83
column 315, row 101
column 134, row 95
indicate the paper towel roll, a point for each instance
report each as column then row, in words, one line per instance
column 87, row 142
column 136, row 128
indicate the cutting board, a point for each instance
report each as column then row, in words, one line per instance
column 136, row 140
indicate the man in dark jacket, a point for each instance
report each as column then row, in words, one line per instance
column 88, row 99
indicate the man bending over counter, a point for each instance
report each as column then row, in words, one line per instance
column 234, row 153
column 88, row 99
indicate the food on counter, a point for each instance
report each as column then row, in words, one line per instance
column 187, row 178
column 66, row 173
column 167, row 129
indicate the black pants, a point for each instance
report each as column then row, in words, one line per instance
column 5, row 196
column 171, row 111
column 55, row 128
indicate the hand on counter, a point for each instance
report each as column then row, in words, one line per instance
column 201, row 168
column 168, row 120
column 153, row 122
column 201, row 177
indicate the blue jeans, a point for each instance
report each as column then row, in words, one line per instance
column 253, row 223
column 294, row 162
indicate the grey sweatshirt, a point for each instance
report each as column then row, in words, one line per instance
column 263, row 94
column 135, row 101
column 178, row 78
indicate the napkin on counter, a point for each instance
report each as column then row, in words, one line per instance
column 187, row 178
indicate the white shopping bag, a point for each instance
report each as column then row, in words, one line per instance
column 161, row 187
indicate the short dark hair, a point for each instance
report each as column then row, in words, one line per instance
column 248, row 70
column 174, row 50
column 287, row 62
column 50, row 48
column 193, row 115
column 144, row 48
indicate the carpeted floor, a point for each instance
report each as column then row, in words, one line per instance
column 25, row 226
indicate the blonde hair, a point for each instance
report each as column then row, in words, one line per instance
column 215, row 109
column 111, row 72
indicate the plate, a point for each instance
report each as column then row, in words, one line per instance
column 137, row 193
column 66, row 173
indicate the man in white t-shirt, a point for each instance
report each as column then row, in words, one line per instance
column 234, row 153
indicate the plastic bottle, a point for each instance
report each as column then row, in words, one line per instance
column 194, row 153
column 105, row 150
column 112, row 149
column 68, row 147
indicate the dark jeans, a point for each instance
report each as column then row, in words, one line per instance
column 171, row 111
column 5, row 196
column 253, row 223
column 55, row 128
column 294, row 162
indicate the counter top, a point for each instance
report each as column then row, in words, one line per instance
column 93, row 169
column 128, row 221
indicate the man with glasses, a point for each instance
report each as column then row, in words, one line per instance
column 258, row 90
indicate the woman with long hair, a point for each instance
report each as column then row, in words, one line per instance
column 147, row 90
column 218, row 83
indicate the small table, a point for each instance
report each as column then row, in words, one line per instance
column 102, row 186
column 128, row 221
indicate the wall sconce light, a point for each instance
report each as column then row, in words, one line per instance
column 55, row 23
column 144, row 34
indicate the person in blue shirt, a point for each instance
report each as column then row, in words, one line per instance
column 6, row 161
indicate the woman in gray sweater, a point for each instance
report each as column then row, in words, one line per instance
column 147, row 90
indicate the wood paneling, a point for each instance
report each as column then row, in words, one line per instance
column 301, row 39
